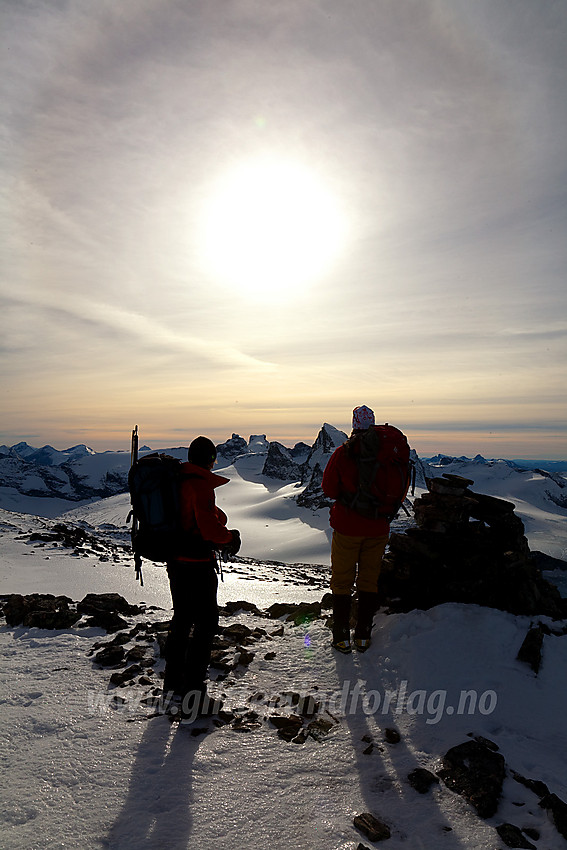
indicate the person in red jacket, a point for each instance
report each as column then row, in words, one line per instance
column 193, row 580
column 358, row 542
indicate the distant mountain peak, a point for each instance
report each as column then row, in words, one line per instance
column 258, row 443
column 80, row 449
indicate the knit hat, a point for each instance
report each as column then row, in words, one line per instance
column 202, row 452
column 362, row 418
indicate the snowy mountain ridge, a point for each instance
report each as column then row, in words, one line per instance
column 46, row 455
column 80, row 474
column 46, row 481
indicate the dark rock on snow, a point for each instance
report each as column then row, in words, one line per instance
column 126, row 676
column 557, row 808
column 104, row 610
column 372, row 827
column 554, row 805
column 298, row 612
column 530, row 651
column 111, row 602
column 312, row 496
column 231, row 608
column 392, row 736
column 288, row 725
column 110, row 656
column 46, row 611
column 476, row 772
column 422, row 779
column 40, row 610
column 512, row 836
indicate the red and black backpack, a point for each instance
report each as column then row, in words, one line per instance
column 382, row 455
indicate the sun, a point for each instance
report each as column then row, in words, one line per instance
column 270, row 228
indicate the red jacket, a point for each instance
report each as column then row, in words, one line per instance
column 198, row 508
column 341, row 476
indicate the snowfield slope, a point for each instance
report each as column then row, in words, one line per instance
column 274, row 527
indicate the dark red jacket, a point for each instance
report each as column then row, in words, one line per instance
column 198, row 508
column 341, row 476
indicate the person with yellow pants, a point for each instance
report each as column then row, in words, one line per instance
column 358, row 543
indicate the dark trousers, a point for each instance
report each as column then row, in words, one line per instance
column 193, row 626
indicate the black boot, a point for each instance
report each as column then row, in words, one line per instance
column 341, row 622
column 367, row 607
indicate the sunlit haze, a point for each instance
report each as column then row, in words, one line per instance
column 251, row 217
column 270, row 229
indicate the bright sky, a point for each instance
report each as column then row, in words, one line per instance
column 249, row 216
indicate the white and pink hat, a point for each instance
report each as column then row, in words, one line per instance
column 362, row 418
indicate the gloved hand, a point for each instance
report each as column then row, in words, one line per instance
column 234, row 545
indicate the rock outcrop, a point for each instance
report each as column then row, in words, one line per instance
column 280, row 464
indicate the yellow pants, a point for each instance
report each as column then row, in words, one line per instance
column 346, row 553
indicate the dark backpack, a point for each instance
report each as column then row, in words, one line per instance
column 157, row 532
column 384, row 473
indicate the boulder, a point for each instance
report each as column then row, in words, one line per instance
column 104, row 610
column 288, row 725
column 237, row 633
column 372, row 827
column 40, row 610
column 110, row 621
column 298, row 612
column 530, row 651
column 557, row 808
column 126, row 676
column 476, row 772
column 230, row 608
column 422, row 779
column 110, row 656
column 512, row 836
column 112, row 602
column 392, row 736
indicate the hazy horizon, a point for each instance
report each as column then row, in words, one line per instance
column 424, row 448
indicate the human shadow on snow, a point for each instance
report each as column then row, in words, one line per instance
column 157, row 809
column 383, row 767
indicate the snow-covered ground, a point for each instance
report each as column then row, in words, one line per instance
column 78, row 773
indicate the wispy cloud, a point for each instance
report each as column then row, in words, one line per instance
column 130, row 325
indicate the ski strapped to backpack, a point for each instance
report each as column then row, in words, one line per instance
column 385, row 472
column 157, row 531
column 132, row 515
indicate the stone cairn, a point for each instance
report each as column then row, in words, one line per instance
column 467, row 547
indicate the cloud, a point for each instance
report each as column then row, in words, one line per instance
column 131, row 325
